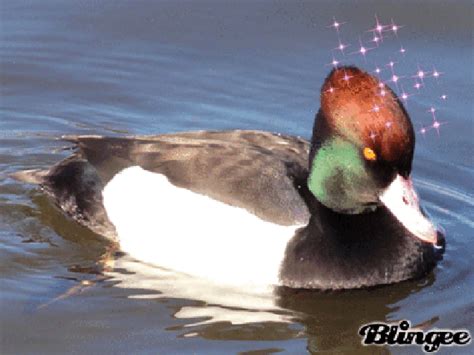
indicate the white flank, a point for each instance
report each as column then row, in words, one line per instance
column 175, row 228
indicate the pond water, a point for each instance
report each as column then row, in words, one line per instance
column 137, row 67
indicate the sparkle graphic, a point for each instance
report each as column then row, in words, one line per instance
column 404, row 96
column 382, row 91
column 420, row 74
column 423, row 131
column 435, row 73
column 395, row 79
column 334, row 62
column 433, row 110
column 372, row 136
column 336, row 24
column 341, row 46
column 346, row 76
column 378, row 29
column 390, row 75
column 394, row 27
column 375, row 39
column 375, row 108
column 330, row 90
column 436, row 125
column 362, row 50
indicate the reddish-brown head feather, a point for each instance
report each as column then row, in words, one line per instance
column 358, row 106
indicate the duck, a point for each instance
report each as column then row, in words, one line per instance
column 254, row 208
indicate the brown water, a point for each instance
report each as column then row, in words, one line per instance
column 140, row 67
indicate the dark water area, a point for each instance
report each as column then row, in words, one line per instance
column 138, row 67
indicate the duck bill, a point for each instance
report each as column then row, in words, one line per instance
column 401, row 199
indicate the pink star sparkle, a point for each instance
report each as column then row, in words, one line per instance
column 423, row 131
column 420, row 74
column 433, row 114
column 372, row 136
column 375, row 108
column 336, row 24
column 443, row 97
column 391, row 64
column 435, row 73
column 362, row 50
column 436, row 125
column 394, row 27
column 404, row 96
column 334, row 62
column 330, row 90
column 346, row 77
column 379, row 28
column 377, row 70
column 341, row 46
column 395, row 79
column 382, row 92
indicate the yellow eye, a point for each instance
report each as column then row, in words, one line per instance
column 369, row 154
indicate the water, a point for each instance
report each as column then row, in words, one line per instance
column 118, row 68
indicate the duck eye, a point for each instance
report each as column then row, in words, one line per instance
column 369, row 154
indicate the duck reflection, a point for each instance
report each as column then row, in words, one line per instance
column 329, row 320
column 332, row 319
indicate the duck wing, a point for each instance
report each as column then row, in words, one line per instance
column 262, row 172
column 258, row 171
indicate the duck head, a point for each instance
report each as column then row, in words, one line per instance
column 362, row 150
